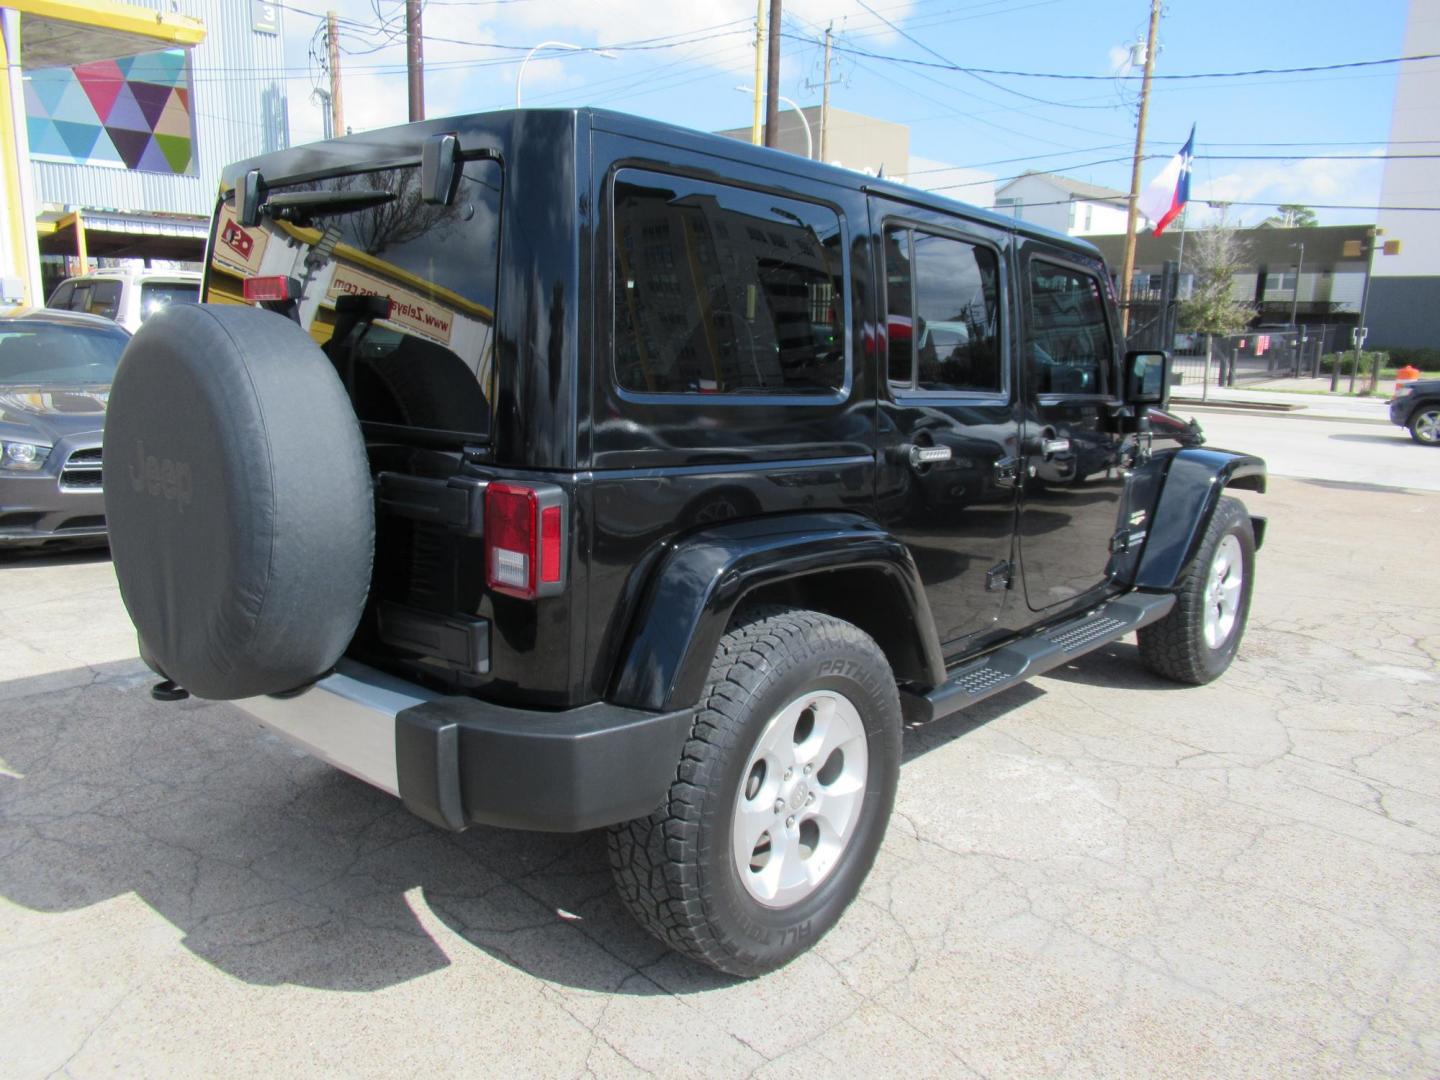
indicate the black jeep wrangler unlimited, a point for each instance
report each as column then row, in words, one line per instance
column 561, row 470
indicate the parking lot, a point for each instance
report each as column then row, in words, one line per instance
column 1096, row 874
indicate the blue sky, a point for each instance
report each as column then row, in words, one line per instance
column 1076, row 128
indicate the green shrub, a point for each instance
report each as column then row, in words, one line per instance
column 1423, row 357
column 1346, row 361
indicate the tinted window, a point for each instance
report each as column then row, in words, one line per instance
column 723, row 290
column 1070, row 347
column 42, row 354
column 943, row 304
column 60, row 298
column 426, row 360
column 156, row 294
column 101, row 298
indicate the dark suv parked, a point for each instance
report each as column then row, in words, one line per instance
column 562, row 470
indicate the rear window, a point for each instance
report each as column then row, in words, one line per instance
column 723, row 290
column 155, row 295
column 428, row 361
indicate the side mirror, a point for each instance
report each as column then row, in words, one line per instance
column 440, row 169
column 1147, row 378
column 250, row 195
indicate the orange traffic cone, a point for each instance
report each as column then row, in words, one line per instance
column 1404, row 377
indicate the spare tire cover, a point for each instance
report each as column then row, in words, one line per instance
column 238, row 499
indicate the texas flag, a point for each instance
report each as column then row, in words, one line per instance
column 1168, row 193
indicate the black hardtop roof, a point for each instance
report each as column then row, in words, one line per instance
column 401, row 145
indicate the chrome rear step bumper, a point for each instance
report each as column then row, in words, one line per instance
column 458, row 761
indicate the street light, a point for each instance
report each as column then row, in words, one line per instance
column 520, row 75
column 809, row 142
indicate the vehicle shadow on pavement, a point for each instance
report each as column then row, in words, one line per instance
column 279, row 869
column 41, row 557
column 1116, row 666
column 1395, row 437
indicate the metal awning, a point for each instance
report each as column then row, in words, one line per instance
column 115, row 235
column 63, row 33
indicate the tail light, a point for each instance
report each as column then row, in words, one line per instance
column 524, row 539
column 271, row 289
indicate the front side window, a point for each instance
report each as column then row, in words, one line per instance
column 942, row 313
column 1070, row 345
column 722, row 290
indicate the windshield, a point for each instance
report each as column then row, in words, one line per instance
column 155, row 295
column 426, row 360
column 51, row 355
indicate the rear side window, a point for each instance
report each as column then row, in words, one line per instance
column 722, row 290
column 103, row 299
column 943, row 313
column 1070, row 345
column 60, row 298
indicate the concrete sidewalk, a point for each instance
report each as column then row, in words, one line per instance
column 1283, row 398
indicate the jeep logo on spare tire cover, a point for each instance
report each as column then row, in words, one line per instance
column 239, row 511
column 164, row 477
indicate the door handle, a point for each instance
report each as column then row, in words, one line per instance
column 1050, row 447
column 927, row 455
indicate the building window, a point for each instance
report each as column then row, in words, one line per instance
column 721, row 290
column 943, row 313
column 1013, row 206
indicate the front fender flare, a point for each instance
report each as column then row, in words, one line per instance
column 1194, row 483
column 701, row 578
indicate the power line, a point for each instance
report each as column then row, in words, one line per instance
column 988, row 82
column 969, row 70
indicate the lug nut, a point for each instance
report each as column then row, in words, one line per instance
column 790, row 822
column 810, row 798
column 789, row 773
column 809, row 769
column 779, row 805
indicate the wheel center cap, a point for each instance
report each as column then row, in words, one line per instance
column 798, row 797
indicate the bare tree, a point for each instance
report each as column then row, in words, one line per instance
column 1220, row 254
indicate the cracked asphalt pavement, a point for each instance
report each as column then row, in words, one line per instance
column 1095, row 874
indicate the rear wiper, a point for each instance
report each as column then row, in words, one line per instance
column 299, row 207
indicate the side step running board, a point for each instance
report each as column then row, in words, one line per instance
column 1035, row 654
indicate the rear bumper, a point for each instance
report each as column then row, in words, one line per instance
column 458, row 761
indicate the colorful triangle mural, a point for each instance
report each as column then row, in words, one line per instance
column 135, row 111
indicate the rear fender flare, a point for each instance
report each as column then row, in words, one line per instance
column 701, row 579
column 1194, row 482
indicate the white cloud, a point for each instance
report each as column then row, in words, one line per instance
column 1303, row 180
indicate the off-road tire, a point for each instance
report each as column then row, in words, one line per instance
column 1175, row 647
column 674, row 869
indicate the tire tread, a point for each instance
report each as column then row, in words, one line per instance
column 657, row 861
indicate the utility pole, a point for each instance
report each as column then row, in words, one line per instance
column 825, row 100
column 415, row 59
column 1129, row 266
column 772, row 79
column 332, row 43
column 755, row 120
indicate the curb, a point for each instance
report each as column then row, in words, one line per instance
column 1228, row 410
